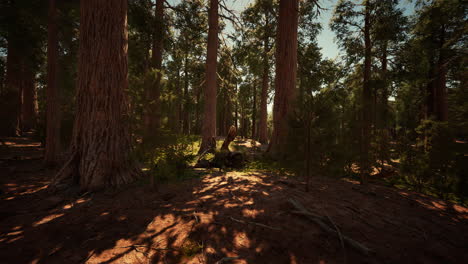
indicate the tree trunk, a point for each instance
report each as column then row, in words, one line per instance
column 236, row 108
column 254, row 111
column 286, row 68
column 441, row 103
column 10, row 107
column 28, row 105
column 230, row 136
column 262, row 128
column 52, row 146
column 153, row 109
column 209, row 117
column 185, row 113
column 100, row 148
column 366, row 99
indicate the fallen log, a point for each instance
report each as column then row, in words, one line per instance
column 300, row 209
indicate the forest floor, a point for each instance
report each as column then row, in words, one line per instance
column 242, row 215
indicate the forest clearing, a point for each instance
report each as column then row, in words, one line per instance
column 233, row 131
column 245, row 216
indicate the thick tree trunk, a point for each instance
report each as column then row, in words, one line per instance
column 366, row 99
column 286, row 68
column 209, row 117
column 153, row 109
column 52, row 146
column 100, row 148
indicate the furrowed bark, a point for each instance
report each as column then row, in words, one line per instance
column 100, row 147
column 286, row 68
column 209, row 118
column 52, row 146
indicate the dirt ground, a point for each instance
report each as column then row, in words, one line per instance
column 228, row 217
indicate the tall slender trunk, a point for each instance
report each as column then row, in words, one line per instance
column 430, row 90
column 101, row 145
column 286, row 68
column 262, row 128
column 384, row 144
column 384, row 62
column 28, row 105
column 236, row 109
column 12, row 106
column 185, row 113
column 254, row 110
column 366, row 99
column 52, row 146
column 153, row 109
column 209, row 117
column 178, row 112
column 441, row 103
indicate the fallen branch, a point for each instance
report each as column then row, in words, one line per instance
column 153, row 248
column 226, row 259
column 318, row 220
column 254, row 223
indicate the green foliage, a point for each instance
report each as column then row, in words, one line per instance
column 167, row 156
column 433, row 162
column 317, row 143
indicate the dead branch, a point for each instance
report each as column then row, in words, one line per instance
column 319, row 221
column 229, row 138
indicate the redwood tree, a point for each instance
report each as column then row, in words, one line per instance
column 100, row 147
column 286, row 67
column 52, row 111
column 209, row 117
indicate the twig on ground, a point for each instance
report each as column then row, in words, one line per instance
column 318, row 220
column 226, row 259
column 340, row 236
column 254, row 223
column 153, row 248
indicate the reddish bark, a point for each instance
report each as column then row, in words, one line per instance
column 52, row 146
column 286, row 68
column 254, row 111
column 100, row 148
column 209, row 118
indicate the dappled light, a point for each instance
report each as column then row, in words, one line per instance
column 233, row 131
column 242, row 216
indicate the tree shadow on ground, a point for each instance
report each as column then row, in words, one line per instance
column 241, row 215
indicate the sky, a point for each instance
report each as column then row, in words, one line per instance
column 326, row 39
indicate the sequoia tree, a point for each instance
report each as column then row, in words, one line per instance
column 286, row 67
column 209, row 117
column 100, row 147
